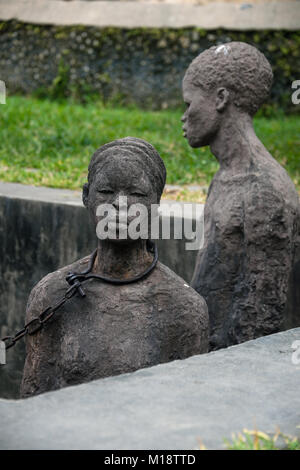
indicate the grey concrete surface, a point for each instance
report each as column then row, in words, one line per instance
column 268, row 15
column 34, row 224
column 253, row 385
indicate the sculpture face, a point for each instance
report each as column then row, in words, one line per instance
column 118, row 179
column 201, row 119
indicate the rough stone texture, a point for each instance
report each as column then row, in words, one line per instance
column 32, row 243
column 246, row 270
column 115, row 328
column 274, row 15
column 253, row 385
column 55, row 213
column 144, row 66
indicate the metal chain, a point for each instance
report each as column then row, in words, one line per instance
column 74, row 280
column 37, row 323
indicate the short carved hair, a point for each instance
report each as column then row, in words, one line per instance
column 137, row 150
column 237, row 66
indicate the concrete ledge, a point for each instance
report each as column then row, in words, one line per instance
column 245, row 16
column 74, row 198
column 253, row 385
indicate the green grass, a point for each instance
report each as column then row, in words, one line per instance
column 257, row 440
column 50, row 143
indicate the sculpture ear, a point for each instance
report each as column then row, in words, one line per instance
column 222, row 99
column 85, row 194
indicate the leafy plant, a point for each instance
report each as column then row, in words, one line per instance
column 258, row 440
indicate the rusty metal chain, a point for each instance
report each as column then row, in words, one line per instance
column 74, row 280
column 37, row 323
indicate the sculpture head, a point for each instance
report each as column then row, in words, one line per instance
column 231, row 79
column 124, row 173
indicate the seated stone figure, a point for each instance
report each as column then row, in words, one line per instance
column 246, row 268
column 115, row 328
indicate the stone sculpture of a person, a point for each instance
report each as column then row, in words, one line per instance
column 115, row 328
column 252, row 210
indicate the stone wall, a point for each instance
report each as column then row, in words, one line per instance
column 141, row 66
column 137, row 52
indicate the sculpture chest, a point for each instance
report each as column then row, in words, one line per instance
column 112, row 330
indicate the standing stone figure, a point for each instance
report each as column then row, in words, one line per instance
column 252, row 211
column 115, row 328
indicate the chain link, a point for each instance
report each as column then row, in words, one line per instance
column 74, row 280
column 37, row 323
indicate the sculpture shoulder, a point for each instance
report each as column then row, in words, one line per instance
column 266, row 187
column 51, row 288
column 272, row 210
column 163, row 286
column 274, row 180
column 268, row 196
column 178, row 291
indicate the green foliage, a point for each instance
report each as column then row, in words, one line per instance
column 59, row 87
column 50, row 143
